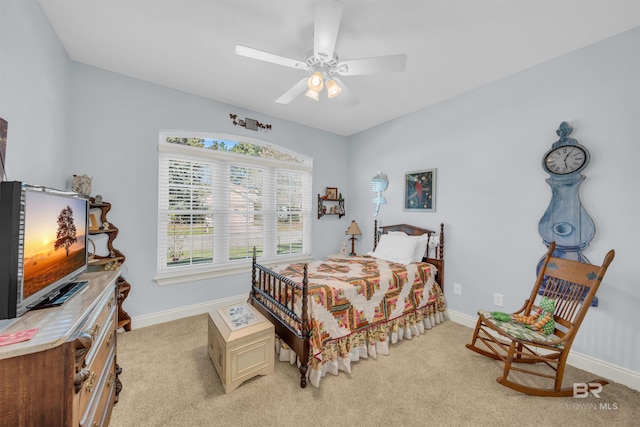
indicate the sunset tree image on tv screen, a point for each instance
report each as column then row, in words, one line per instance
column 54, row 240
column 66, row 234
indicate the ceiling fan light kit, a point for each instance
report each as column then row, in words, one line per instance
column 317, row 82
column 323, row 63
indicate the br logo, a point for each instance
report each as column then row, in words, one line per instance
column 582, row 390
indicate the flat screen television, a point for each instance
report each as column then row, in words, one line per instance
column 43, row 245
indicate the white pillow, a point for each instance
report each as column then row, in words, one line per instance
column 421, row 247
column 395, row 248
column 421, row 243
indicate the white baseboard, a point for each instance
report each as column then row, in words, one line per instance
column 598, row 367
column 188, row 311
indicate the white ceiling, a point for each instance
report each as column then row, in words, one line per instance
column 452, row 46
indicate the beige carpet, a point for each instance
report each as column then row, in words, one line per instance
column 169, row 380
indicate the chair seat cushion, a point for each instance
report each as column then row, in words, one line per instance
column 520, row 331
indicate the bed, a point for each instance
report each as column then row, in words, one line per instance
column 330, row 313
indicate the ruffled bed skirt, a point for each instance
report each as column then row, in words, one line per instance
column 337, row 355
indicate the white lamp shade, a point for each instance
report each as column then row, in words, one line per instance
column 315, row 81
column 312, row 94
column 333, row 89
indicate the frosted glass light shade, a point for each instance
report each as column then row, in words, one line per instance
column 333, row 89
column 315, row 81
column 312, row 94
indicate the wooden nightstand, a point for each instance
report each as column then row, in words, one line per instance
column 240, row 344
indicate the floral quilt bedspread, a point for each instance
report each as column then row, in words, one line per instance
column 350, row 295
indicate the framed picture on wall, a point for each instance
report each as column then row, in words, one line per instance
column 420, row 191
column 332, row 193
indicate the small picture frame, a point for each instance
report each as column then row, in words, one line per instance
column 93, row 222
column 420, row 191
column 332, row 193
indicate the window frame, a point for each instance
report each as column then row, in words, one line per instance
column 166, row 275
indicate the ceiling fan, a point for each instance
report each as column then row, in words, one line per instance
column 323, row 63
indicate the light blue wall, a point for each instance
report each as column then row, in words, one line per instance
column 487, row 146
column 34, row 95
column 67, row 118
column 116, row 121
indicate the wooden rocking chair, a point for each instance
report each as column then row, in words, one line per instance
column 571, row 285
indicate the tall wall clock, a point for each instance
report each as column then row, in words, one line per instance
column 565, row 221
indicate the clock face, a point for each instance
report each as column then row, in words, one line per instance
column 565, row 160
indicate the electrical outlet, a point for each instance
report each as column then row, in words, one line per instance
column 498, row 300
column 457, row 289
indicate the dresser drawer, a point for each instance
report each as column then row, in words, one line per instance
column 103, row 354
column 99, row 325
column 99, row 413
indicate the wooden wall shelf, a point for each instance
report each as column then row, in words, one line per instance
column 326, row 205
column 113, row 261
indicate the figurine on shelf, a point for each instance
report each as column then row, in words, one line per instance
column 81, row 184
column 110, row 266
column 98, row 199
column 105, row 225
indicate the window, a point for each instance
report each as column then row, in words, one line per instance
column 220, row 196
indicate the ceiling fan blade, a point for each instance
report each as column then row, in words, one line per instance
column 346, row 97
column 292, row 93
column 270, row 57
column 381, row 64
column 326, row 25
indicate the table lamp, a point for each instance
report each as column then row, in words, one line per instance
column 353, row 231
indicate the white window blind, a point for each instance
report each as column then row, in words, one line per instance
column 221, row 196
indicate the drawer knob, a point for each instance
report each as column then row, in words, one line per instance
column 94, row 331
column 90, row 382
column 110, row 339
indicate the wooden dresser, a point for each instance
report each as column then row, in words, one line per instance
column 66, row 374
